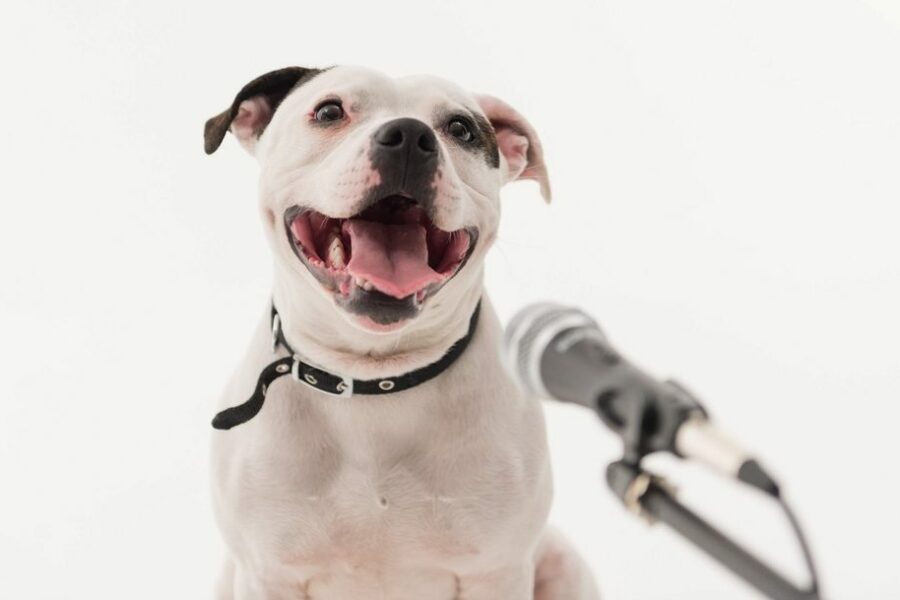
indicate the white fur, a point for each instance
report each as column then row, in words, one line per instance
column 440, row 492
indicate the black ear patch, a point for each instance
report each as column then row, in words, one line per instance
column 274, row 85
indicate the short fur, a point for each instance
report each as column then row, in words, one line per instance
column 436, row 493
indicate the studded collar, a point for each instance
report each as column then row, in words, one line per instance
column 318, row 378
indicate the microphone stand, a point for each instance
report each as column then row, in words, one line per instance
column 649, row 496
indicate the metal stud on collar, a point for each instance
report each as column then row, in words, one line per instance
column 386, row 384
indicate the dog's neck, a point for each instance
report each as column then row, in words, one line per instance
column 314, row 327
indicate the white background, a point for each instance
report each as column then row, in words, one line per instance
column 726, row 183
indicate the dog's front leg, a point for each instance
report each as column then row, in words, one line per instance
column 511, row 583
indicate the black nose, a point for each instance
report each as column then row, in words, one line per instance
column 407, row 137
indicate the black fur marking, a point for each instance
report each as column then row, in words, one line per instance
column 491, row 151
column 484, row 140
column 275, row 86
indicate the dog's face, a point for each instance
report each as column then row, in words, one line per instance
column 379, row 193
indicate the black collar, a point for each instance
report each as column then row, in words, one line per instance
column 330, row 383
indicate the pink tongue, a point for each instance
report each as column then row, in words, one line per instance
column 394, row 258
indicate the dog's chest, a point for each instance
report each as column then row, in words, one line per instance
column 388, row 481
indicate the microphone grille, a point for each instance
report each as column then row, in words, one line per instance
column 529, row 333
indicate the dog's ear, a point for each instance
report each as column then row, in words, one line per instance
column 253, row 107
column 517, row 142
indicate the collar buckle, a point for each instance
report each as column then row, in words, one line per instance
column 343, row 388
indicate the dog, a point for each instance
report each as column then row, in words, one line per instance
column 431, row 480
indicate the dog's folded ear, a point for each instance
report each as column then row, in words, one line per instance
column 518, row 143
column 253, row 107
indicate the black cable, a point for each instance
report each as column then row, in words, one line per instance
column 804, row 545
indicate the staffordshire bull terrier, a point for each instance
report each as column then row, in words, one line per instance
column 394, row 458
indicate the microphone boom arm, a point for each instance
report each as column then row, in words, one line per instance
column 643, row 431
column 649, row 497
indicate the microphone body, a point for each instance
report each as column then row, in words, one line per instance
column 561, row 353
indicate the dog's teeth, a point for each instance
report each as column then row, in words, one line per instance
column 336, row 257
column 366, row 285
column 418, row 298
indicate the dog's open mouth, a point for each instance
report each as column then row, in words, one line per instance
column 383, row 262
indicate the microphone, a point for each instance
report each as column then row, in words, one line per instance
column 561, row 353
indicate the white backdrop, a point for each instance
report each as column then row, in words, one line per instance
column 726, row 184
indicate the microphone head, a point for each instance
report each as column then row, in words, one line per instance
column 529, row 333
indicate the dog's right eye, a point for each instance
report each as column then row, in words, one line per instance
column 330, row 111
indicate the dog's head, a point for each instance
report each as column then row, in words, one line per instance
column 379, row 193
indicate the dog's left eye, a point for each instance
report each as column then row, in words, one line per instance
column 330, row 111
column 460, row 130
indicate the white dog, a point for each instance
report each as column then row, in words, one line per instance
column 399, row 461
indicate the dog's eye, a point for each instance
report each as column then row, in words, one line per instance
column 330, row 111
column 460, row 130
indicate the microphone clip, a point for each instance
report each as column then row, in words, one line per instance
column 648, row 424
